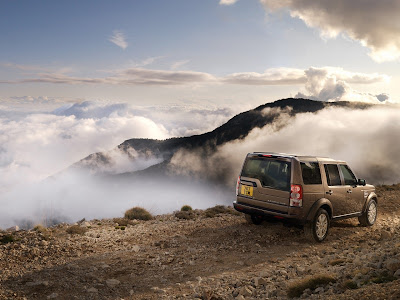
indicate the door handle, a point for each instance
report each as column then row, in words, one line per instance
column 349, row 191
column 329, row 192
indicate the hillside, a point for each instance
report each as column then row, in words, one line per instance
column 236, row 128
column 208, row 257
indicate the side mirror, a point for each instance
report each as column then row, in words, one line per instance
column 361, row 182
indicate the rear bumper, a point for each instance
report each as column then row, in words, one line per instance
column 254, row 210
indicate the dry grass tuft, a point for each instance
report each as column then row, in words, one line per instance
column 185, row 215
column 40, row 228
column 337, row 261
column 76, row 229
column 297, row 288
column 219, row 209
column 350, row 284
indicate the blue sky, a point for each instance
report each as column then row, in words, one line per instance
column 45, row 44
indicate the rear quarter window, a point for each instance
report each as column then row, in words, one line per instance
column 311, row 173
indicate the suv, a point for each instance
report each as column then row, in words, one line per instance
column 309, row 190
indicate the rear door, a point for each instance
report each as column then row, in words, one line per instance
column 335, row 191
column 270, row 179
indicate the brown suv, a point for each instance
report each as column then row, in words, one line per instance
column 309, row 190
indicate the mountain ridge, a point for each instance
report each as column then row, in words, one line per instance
column 236, row 128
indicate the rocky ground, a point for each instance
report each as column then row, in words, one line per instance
column 207, row 257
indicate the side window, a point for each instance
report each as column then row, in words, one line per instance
column 332, row 175
column 311, row 173
column 349, row 178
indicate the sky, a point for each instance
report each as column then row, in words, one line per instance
column 204, row 52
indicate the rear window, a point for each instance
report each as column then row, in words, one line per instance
column 271, row 172
column 311, row 173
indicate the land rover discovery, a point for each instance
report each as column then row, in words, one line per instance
column 309, row 190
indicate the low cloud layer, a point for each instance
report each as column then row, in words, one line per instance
column 73, row 196
column 375, row 24
column 37, row 144
column 34, row 145
column 363, row 138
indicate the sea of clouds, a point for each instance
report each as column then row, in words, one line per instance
column 35, row 145
column 38, row 141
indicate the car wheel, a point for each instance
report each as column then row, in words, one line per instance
column 253, row 219
column 317, row 230
column 368, row 218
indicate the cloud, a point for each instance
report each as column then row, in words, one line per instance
column 178, row 64
column 323, row 83
column 275, row 76
column 332, row 84
column 131, row 76
column 375, row 24
column 119, row 39
column 363, row 138
column 146, row 62
column 227, row 2
column 37, row 144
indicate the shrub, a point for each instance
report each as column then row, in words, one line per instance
column 121, row 221
column 296, row 289
column 138, row 213
column 185, row 215
column 8, row 238
column 186, row 208
column 350, row 284
column 219, row 209
column 383, row 277
column 76, row 229
column 40, row 228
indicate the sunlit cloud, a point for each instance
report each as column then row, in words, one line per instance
column 178, row 64
column 227, row 2
column 119, row 39
column 352, row 18
column 323, row 83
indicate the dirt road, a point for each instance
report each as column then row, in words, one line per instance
column 221, row 257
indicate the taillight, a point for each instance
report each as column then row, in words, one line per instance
column 237, row 186
column 296, row 195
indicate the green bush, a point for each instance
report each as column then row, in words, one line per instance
column 186, row 208
column 8, row 238
column 138, row 213
column 297, row 288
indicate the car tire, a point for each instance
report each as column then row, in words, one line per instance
column 253, row 219
column 368, row 218
column 317, row 230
